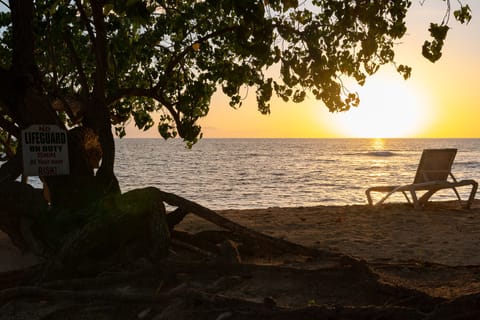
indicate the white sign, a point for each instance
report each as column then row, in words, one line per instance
column 45, row 151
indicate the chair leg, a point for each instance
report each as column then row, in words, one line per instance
column 427, row 195
column 369, row 197
column 473, row 192
column 406, row 197
column 458, row 196
column 416, row 203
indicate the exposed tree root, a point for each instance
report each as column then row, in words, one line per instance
column 197, row 304
column 262, row 239
column 197, row 282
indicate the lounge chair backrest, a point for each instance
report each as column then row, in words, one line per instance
column 435, row 165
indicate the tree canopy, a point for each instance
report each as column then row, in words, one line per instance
column 102, row 63
column 91, row 66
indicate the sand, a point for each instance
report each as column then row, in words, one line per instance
column 410, row 264
column 442, row 233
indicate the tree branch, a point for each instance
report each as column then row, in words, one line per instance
column 99, row 47
column 149, row 93
column 10, row 127
column 5, row 4
column 12, row 169
column 86, row 22
column 78, row 63
column 154, row 92
column 22, row 25
column 178, row 58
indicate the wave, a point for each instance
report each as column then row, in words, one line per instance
column 468, row 164
column 373, row 153
column 381, row 153
column 368, row 168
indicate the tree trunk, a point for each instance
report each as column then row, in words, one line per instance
column 21, row 98
column 99, row 113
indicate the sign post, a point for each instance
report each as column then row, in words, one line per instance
column 45, row 151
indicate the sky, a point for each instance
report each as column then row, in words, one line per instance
column 440, row 100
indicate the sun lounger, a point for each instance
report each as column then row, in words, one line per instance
column 433, row 173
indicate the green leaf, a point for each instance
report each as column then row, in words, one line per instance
column 432, row 50
column 170, row 56
column 289, row 4
column 463, row 15
column 405, row 71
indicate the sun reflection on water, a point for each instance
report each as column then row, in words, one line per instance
column 378, row 144
column 380, row 159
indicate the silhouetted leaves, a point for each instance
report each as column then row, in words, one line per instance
column 432, row 50
column 170, row 57
column 463, row 15
column 406, row 71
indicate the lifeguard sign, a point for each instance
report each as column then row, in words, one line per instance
column 45, row 151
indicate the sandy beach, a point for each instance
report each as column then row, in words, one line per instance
column 442, row 233
column 409, row 264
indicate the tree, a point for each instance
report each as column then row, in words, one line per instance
column 95, row 65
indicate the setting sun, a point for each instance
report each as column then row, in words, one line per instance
column 440, row 100
column 389, row 108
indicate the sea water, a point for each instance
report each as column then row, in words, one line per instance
column 262, row 173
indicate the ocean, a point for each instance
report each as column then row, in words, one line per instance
column 263, row 173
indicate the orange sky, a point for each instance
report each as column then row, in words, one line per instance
column 439, row 100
